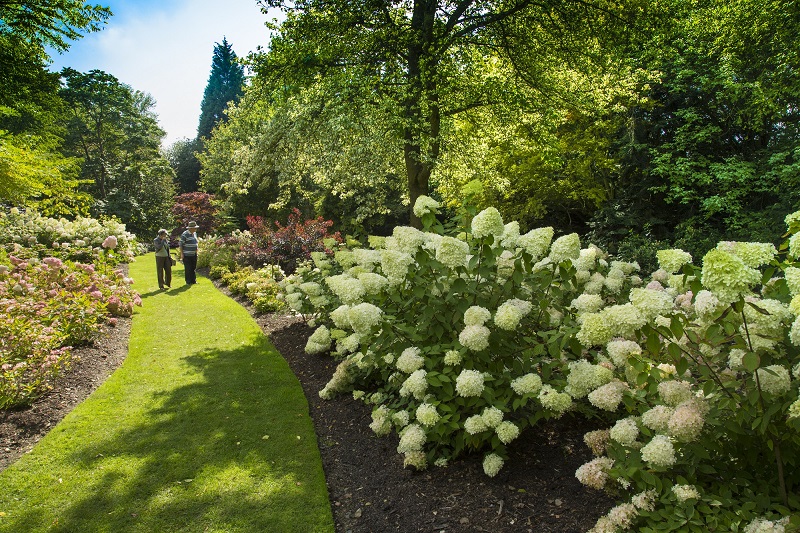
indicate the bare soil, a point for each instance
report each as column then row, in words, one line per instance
column 369, row 489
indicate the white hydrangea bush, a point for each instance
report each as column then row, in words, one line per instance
column 461, row 338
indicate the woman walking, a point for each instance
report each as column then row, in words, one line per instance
column 163, row 260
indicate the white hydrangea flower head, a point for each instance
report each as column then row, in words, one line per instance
column 348, row 289
column 415, row 385
column 774, row 379
column 394, row 264
column 381, row 422
column 595, row 284
column 621, row 516
column 348, row 344
column 492, row 464
column 510, row 235
column 657, row 418
column 625, row 431
column 527, row 384
column 651, row 303
column 645, row 501
column 565, row 247
column 762, row 525
column 417, row 459
column 794, row 305
column 475, row 424
column 584, row 377
column 492, row 416
column 586, row 259
column 401, row 418
column 597, row 441
column 623, row 320
column 794, row 246
column 557, row 402
column 587, row 303
column 685, row 492
column 594, row 474
column 427, row 414
column 659, row 452
column 487, row 222
column 412, row 439
column 608, row 396
column 727, row 275
column 510, row 313
column 686, row 422
column 319, row 341
column 408, row 239
column 594, row 330
column 794, row 332
column 469, row 383
column 367, row 258
column 424, row 205
column 753, row 254
column 311, row 288
column 672, row 261
column 505, row 264
column 536, row 242
column 476, row 316
column 674, row 393
column 619, row 350
column 345, row 258
column 364, row 317
column 452, row 358
column 452, row 252
column 373, row 283
column 792, row 275
column 794, row 409
column 410, row 360
column 506, row 431
column 475, row 338
column 614, row 285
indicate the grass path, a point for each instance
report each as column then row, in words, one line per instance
column 204, row 428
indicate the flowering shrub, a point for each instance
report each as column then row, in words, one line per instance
column 461, row 338
column 27, row 234
column 46, row 307
column 259, row 286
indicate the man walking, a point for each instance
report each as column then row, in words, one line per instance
column 187, row 249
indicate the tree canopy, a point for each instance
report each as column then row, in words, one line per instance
column 225, row 84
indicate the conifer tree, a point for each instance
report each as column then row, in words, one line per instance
column 225, row 84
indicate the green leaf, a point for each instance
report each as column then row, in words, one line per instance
column 751, row 361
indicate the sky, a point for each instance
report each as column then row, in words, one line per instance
column 164, row 47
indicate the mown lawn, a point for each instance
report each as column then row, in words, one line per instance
column 204, row 428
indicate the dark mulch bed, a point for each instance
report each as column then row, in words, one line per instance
column 370, row 491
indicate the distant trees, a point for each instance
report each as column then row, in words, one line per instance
column 225, row 84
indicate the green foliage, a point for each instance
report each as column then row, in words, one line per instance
column 182, row 156
column 225, row 85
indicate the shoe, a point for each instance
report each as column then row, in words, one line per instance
column 169, row 287
column 161, row 288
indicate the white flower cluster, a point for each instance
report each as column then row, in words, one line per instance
column 762, row 525
column 753, row 254
column 674, row 393
column 475, row 338
column 672, row 260
column 686, row 421
column 407, row 239
column 565, row 247
column 475, row 424
column 476, row 316
column 394, row 265
column 510, row 313
column 657, row 418
column 319, row 341
column 487, row 222
column 410, row 360
column 412, row 439
column 492, row 464
column 536, row 242
column 469, row 383
column 427, row 415
column 452, row 358
column 415, row 385
column 452, row 252
column 425, row 205
column 527, row 384
column 594, row 474
column 659, row 452
column 597, row 441
column 587, row 303
column 373, row 283
column 506, row 431
column 339, row 382
column 364, row 317
column 608, row 396
column 685, row 492
column 619, row 518
column 625, row 431
column 492, row 416
column 347, row 288
column 558, row 402
column 381, row 421
column 583, row 377
column 774, row 379
column 651, row 303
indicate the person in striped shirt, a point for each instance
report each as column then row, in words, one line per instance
column 187, row 249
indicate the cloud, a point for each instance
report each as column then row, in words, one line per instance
column 165, row 49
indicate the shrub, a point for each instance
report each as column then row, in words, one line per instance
column 197, row 206
column 462, row 338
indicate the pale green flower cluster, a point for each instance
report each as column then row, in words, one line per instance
column 394, row 265
column 685, row 492
column 594, row 474
column 364, row 317
column 616, row 320
column 469, row 383
column 341, row 379
column 651, row 303
column 618, row 518
column 427, row 415
column 452, row 252
column 594, row 330
column 753, row 254
column 597, row 441
column 487, row 222
column 657, row 418
column 410, row 360
column 381, row 421
column 794, row 409
column 619, row 350
column 415, row 385
column 686, row 421
column 609, row 396
column 510, row 235
column 492, row 464
column 319, row 341
column 774, row 379
column 406, row 239
column 659, row 452
column 536, row 242
column 510, row 313
column 452, row 358
column 792, row 275
column 584, row 377
column 587, row 303
column 794, row 246
column 565, row 247
column 347, row 288
column 674, row 393
column 475, row 424
column 475, row 338
column 506, row 431
column 425, row 205
column 412, row 439
column 673, row 260
column 373, row 283
column 345, row 258
column 625, row 431
column 527, row 384
column 401, row 418
column 727, row 275
column 492, row 416
column 476, row 316
column 557, row 402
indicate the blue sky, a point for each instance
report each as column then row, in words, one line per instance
column 164, row 47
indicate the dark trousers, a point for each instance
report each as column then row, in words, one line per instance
column 164, row 271
column 189, row 266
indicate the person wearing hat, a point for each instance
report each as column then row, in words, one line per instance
column 187, row 249
column 163, row 260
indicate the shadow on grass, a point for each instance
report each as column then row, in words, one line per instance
column 232, row 452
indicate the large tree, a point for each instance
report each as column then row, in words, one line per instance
column 51, row 22
column 414, row 54
column 225, row 84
